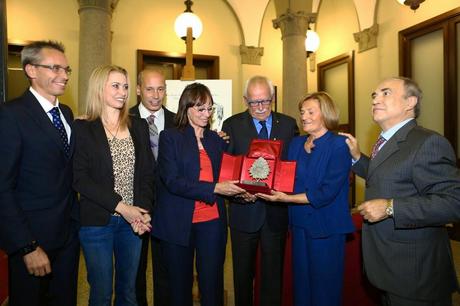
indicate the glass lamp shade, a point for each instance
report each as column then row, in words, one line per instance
column 312, row 41
column 188, row 20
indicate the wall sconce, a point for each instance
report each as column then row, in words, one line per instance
column 311, row 45
column 414, row 4
column 188, row 27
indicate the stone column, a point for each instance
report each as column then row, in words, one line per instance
column 293, row 28
column 95, row 41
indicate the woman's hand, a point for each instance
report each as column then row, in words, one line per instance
column 140, row 228
column 135, row 215
column 275, row 196
column 228, row 188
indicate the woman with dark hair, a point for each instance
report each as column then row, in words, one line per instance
column 319, row 216
column 190, row 215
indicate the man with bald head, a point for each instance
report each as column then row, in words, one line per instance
column 151, row 88
column 412, row 191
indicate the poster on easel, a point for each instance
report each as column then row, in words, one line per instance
column 221, row 91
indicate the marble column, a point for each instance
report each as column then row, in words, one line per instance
column 95, row 41
column 293, row 28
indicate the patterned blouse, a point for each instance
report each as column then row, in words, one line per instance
column 123, row 158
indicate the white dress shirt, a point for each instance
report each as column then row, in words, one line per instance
column 47, row 106
column 159, row 116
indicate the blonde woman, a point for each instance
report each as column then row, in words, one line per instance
column 113, row 172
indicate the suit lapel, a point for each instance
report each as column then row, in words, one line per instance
column 191, row 151
column 38, row 115
column 249, row 126
column 274, row 133
column 390, row 147
column 69, row 118
column 102, row 142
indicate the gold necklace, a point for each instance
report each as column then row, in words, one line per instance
column 113, row 135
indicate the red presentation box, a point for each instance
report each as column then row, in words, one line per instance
column 261, row 170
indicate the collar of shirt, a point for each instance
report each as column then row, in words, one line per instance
column 268, row 122
column 44, row 103
column 391, row 131
column 159, row 116
column 47, row 106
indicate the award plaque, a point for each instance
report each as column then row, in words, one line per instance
column 261, row 170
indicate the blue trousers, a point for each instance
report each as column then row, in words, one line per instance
column 318, row 268
column 101, row 245
column 208, row 241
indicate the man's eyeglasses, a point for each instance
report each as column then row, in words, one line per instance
column 55, row 68
column 255, row 103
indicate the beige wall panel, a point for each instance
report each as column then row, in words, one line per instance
column 427, row 70
column 30, row 20
column 336, row 24
column 337, row 86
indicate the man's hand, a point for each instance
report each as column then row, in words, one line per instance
column 374, row 210
column 247, row 197
column 224, row 136
column 37, row 262
column 353, row 145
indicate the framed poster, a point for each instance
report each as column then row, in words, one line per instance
column 221, row 91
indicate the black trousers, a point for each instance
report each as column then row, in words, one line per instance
column 59, row 288
column 389, row 299
column 160, row 274
column 244, row 251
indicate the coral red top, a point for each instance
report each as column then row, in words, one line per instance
column 203, row 211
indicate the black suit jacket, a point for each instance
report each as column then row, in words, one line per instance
column 409, row 255
column 36, row 196
column 169, row 115
column 241, row 129
column 93, row 170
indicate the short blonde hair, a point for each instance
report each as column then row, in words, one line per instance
column 329, row 110
column 95, row 96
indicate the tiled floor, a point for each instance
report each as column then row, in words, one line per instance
column 228, row 283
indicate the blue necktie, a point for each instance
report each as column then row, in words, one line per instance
column 57, row 122
column 263, row 134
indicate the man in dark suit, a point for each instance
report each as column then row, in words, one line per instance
column 39, row 212
column 412, row 191
column 259, row 223
column 151, row 88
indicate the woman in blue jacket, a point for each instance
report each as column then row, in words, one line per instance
column 319, row 215
column 189, row 215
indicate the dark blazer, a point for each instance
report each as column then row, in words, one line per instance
column 324, row 176
column 409, row 255
column 179, row 186
column 241, row 129
column 169, row 115
column 36, row 196
column 93, row 170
